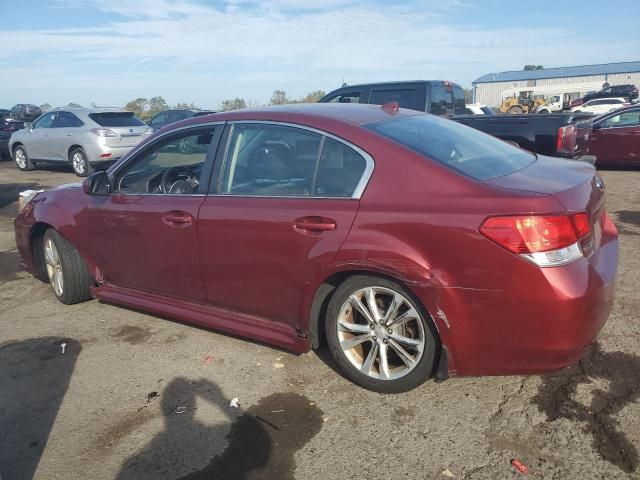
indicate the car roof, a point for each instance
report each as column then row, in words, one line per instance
column 358, row 114
column 617, row 111
column 607, row 98
column 88, row 110
column 397, row 82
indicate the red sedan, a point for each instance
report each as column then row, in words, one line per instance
column 615, row 140
column 412, row 245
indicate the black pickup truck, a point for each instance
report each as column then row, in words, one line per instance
column 564, row 135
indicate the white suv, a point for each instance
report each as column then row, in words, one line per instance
column 82, row 137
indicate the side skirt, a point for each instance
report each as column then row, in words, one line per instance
column 256, row 328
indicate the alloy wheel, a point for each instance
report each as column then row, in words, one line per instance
column 21, row 158
column 78, row 162
column 54, row 266
column 380, row 332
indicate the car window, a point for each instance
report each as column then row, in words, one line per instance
column 116, row 119
column 462, row 148
column 441, row 100
column 45, row 121
column 177, row 116
column 66, row 120
column 159, row 119
column 406, row 97
column 459, row 105
column 270, row 160
column 348, row 97
column 339, row 170
column 626, row 119
column 173, row 165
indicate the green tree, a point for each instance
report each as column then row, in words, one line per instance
column 186, row 106
column 313, row 97
column 279, row 97
column 156, row 105
column 45, row 107
column 137, row 106
column 233, row 104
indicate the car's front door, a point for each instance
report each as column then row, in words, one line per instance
column 616, row 138
column 279, row 210
column 38, row 141
column 143, row 235
column 63, row 135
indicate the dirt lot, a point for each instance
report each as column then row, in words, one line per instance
column 108, row 407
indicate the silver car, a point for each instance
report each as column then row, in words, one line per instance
column 82, row 137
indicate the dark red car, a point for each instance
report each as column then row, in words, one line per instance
column 413, row 245
column 615, row 139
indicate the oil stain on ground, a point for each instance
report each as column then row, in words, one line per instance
column 133, row 335
column 630, row 217
column 9, row 266
column 622, row 371
column 264, row 439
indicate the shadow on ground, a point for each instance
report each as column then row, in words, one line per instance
column 260, row 443
column 557, row 399
column 34, row 376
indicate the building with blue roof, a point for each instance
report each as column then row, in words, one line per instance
column 573, row 82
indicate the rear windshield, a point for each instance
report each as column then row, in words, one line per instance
column 116, row 119
column 462, row 148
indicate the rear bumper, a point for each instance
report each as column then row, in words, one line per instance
column 543, row 321
column 105, row 154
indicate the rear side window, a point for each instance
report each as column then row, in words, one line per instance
column 339, row 171
column 66, row 120
column 459, row 106
column 406, row 97
column 469, row 151
column 441, row 101
column 116, row 119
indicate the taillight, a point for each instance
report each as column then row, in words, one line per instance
column 566, row 141
column 545, row 240
column 104, row 132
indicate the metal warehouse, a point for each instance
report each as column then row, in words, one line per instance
column 492, row 88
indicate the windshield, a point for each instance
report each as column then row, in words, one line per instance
column 116, row 119
column 462, row 148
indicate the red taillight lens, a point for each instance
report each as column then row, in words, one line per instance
column 535, row 233
column 566, row 141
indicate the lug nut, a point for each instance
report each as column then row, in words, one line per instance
column 384, row 341
column 375, row 338
column 372, row 326
column 389, row 331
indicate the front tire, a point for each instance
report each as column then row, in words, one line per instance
column 21, row 157
column 67, row 272
column 379, row 335
column 80, row 163
column 515, row 110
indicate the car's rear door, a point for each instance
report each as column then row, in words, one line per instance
column 280, row 207
column 143, row 235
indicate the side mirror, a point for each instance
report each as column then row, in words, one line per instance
column 97, row 183
column 28, row 125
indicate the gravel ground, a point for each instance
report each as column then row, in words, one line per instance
column 110, row 406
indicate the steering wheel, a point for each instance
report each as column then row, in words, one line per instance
column 178, row 180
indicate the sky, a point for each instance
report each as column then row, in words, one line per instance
column 108, row 52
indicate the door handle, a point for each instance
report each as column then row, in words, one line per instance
column 177, row 219
column 313, row 224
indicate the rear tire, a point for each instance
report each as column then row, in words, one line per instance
column 67, row 272
column 377, row 349
column 515, row 110
column 80, row 163
column 21, row 157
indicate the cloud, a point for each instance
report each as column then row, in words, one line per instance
column 245, row 48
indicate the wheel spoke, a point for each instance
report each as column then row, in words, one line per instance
column 48, row 254
column 384, row 361
column 371, row 303
column 392, row 311
column 358, row 305
column 355, row 341
column 373, row 353
column 352, row 327
column 407, row 316
column 403, row 354
column 406, row 341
